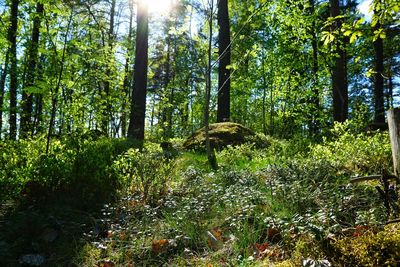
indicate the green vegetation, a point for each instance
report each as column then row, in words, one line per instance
column 97, row 201
column 199, row 133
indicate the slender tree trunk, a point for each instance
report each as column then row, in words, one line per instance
column 224, row 82
column 27, row 98
column 54, row 100
column 12, row 38
column 210, row 151
column 127, row 76
column 166, row 107
column 378, row 81
column 138, row 105
column 38, row 107
column 2, row 87
column 106, row 118
column 264, row 95
column 339, row 75
column 315, row 102
column 390, row 93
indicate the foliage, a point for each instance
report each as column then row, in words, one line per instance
column 74, row 166
column 370, row 248
column 145, row 172
column 355, row 154
column 176, row 211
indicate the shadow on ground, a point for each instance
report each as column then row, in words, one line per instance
column 49, row 232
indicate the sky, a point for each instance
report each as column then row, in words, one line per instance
column 364, row 8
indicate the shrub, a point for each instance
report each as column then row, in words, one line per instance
column 371, row 249
column 17, row 161
column 355, row 153
column 147, row 172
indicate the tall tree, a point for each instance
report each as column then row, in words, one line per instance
column 138, row 104
column 313, row 123
column 27, row 97
column 2, row 87
column 224, row 42
column 127, row 75
column 107, row 84
column 210, row 151
column 378, row 79
column 339, row 74
column 12, row 39
column 59, row 76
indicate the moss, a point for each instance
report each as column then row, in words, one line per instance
column 371, row 249
column 221, row 135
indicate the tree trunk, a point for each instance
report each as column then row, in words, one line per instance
column 27, row 98
column 166, row 107
column 314, row 101
column 379, row 102
column 390, row 93
column 38, row 107
column 224, row 82
column 339, row 75
column 12, row 39
column 127, row 79
column 210, row 151
column 265, row 85
column 394, row 130
column 54, row 98
column 2, row 87
column 106, row 112
column 138, row 106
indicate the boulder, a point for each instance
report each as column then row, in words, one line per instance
column 221, row 135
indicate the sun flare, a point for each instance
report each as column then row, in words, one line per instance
column 159, row 7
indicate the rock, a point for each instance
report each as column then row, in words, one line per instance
column 315, row 263
column 32, row 260
column 49, row 235
column 221, row 135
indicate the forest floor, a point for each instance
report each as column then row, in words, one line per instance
column 289, row 204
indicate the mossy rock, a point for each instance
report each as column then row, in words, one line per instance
column 221, row 135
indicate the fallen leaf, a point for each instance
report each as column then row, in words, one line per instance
column 105, row 263
column 217, row 233
column 159, row 245
column 109, row 234
column 213, row 241
column 262, row 247
column 273, row 234
column 260, row 250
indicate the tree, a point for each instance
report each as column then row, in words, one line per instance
column 378, row 77
column 224, row 83
column 2, row 87
column 339, row 73
column 27, row 97
column 12, row 39
column 127, row 73
column 210, row 151
column 138, row 105
column 107, row 84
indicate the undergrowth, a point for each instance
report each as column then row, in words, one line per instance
column 285, row 203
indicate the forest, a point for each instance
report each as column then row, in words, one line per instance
column 199, row 133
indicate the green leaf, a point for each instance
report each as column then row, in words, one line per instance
column 353, row 38
column 347, row 32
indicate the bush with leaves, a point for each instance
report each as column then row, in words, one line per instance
column 17, row 161
column 370, row 249
column 355, row 154
column 79, row 168
column 146, row 172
